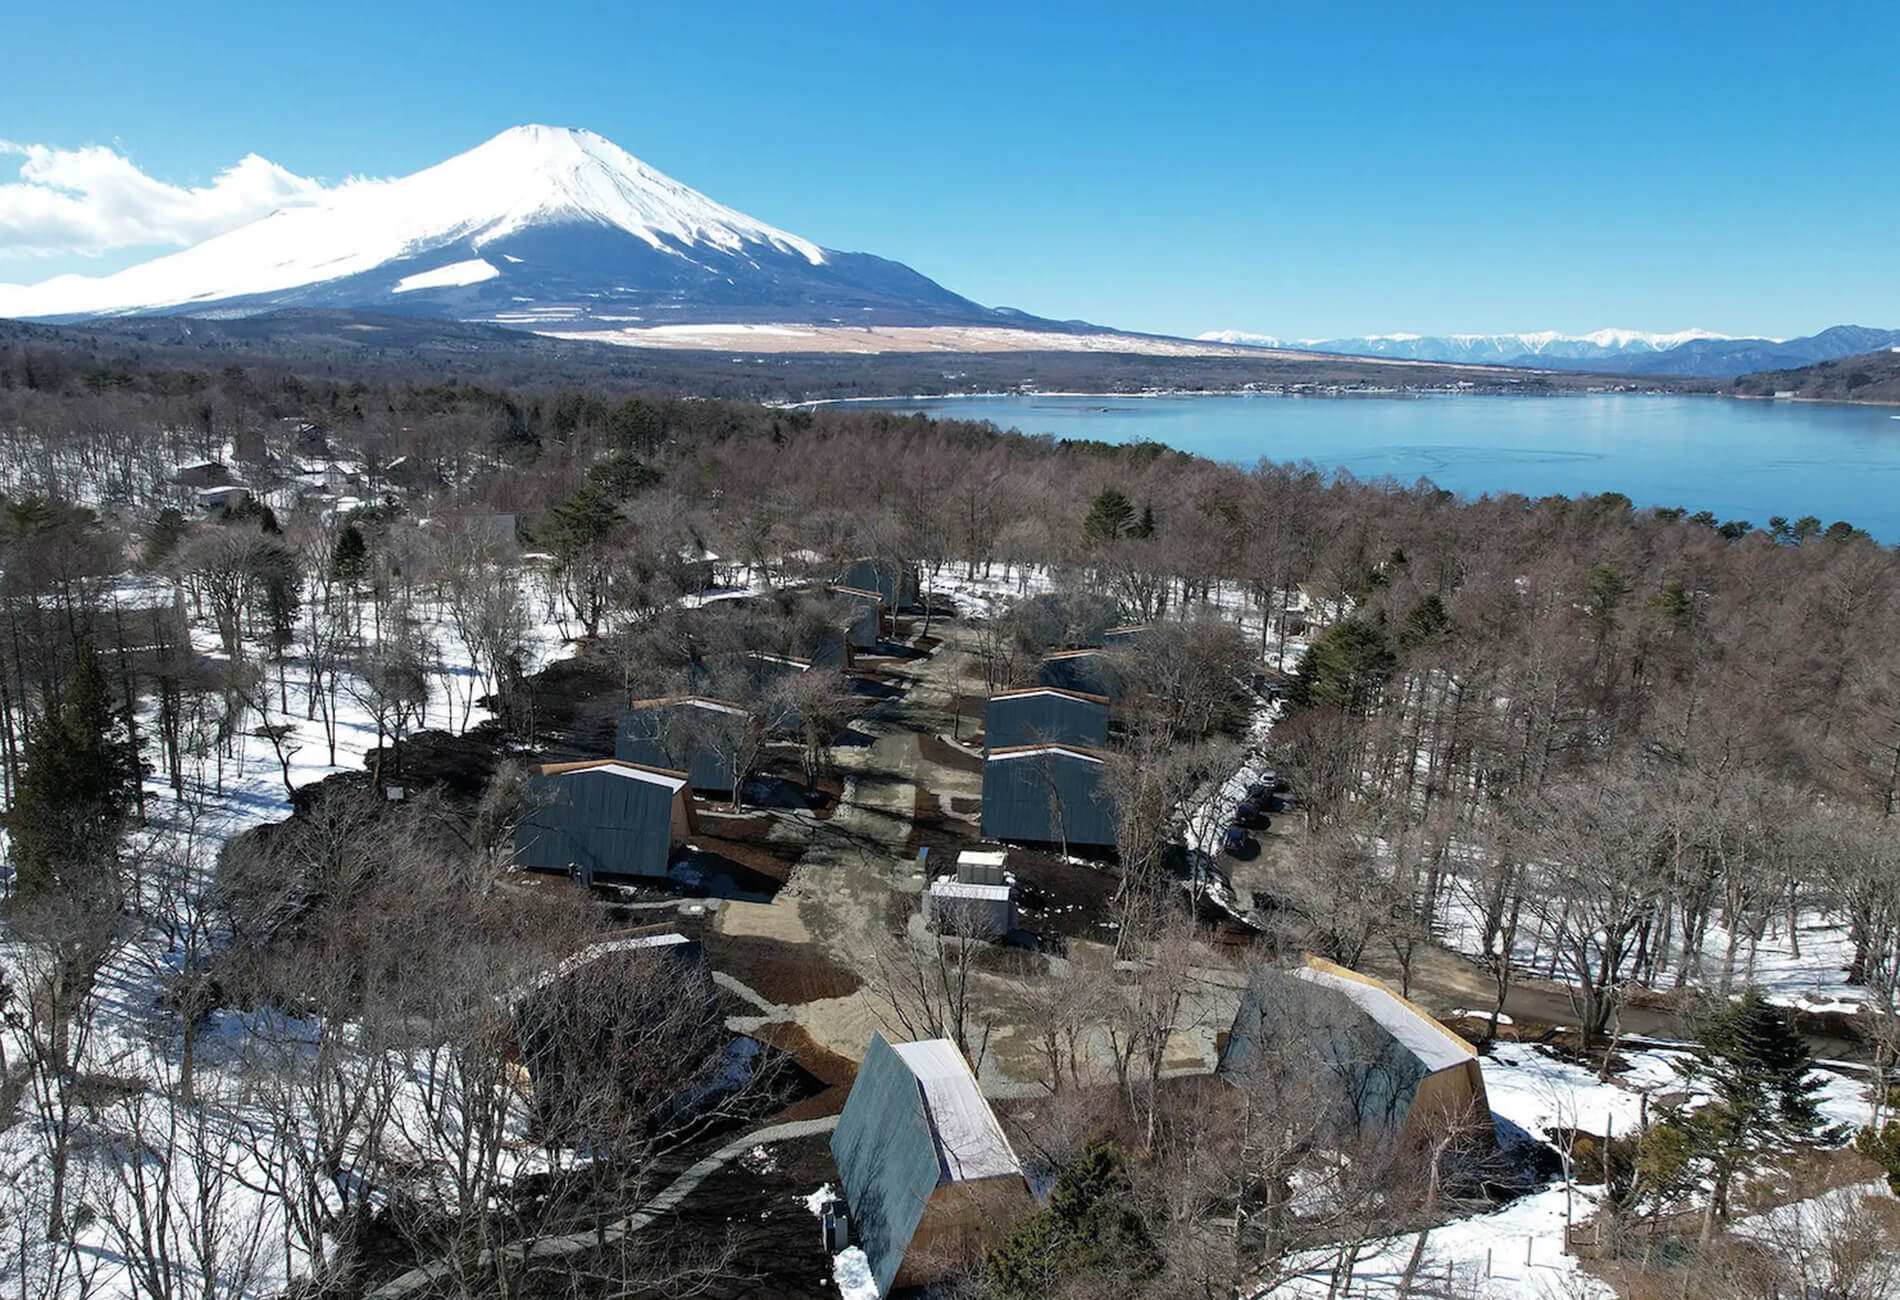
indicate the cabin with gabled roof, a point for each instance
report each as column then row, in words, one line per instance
column 676, row 733
column 1084, row 672
column 928, row 1174
column 1387, row 1065
column 1066, row 619
column 604, row 819
column 1045, row 794
column 588, row 1029
column 895, row 581
column 1045, row 715
column 866, row 628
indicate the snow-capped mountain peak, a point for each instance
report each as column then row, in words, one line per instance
column 529, row 175
column 539, row 224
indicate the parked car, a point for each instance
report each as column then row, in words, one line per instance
column 1245, row 814
column 1234, row 842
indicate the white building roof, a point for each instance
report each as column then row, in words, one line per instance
column 1437, row 1047
column 787, row 660
column 984, row 857
column 1032, row 751
column 618, row 767
column 970, row 1143
column 951, row 887
column 711, row 706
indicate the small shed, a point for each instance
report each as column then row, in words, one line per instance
column 1047, row 794
column 1045, row 715
column 978, row 911
column 694, row 734
column 895, row 581
column 930, row 1178
column 768, row 669
column 983, row 867
column 500, row 528
column 1387, row 1065
column 229, row 497
column 604, row 819
column 1085, row 672
column 202, row 474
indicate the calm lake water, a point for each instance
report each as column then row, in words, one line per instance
column 1739, row 459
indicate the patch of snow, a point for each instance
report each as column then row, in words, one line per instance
column 473, row 271
column 851, row 1270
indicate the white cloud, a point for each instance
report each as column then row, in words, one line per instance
column 94, row 199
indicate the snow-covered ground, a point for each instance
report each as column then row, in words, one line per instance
column 225, row 1151
column 1807, row 970
column 850, row 1267
column 1518, row 1250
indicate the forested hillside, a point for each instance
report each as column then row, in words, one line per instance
column 1873, row 377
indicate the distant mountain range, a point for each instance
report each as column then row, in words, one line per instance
column 1696, row 353
column 544, row 228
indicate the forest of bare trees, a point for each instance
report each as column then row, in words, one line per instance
column 1569, row 738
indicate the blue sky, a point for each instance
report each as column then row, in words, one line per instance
column 1175, row 168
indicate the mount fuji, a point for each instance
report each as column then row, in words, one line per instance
column 545, row 228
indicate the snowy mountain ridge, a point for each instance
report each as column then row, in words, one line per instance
column 1685, row 352
column 539, row 224
column 1461, row 347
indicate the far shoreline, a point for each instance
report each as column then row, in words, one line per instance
column 1336, row 395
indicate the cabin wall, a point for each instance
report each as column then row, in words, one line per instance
column 961, row 1221
column 1451, row 1096
column 685, row 823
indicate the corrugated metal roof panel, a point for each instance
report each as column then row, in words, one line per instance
column 887, row 1159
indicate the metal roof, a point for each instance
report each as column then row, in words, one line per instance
column 673, row 781
column 1045, row 715
column 655, row 733
column 1030, row 751
column 602, row 818
column 1047, row 794
column 1421, row 1035
column 887, row 1159
column 1370, row 1047
column 970, row 1143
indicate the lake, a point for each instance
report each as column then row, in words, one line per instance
column 1740, row 459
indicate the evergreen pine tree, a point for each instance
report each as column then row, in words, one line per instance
column 1345, row 667
column 1110, row 516
column 1088, row 1229
column 1881, row 1144
column 77, row 792
column 349, row 558
column 1759, row 1072
column 167, row 531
